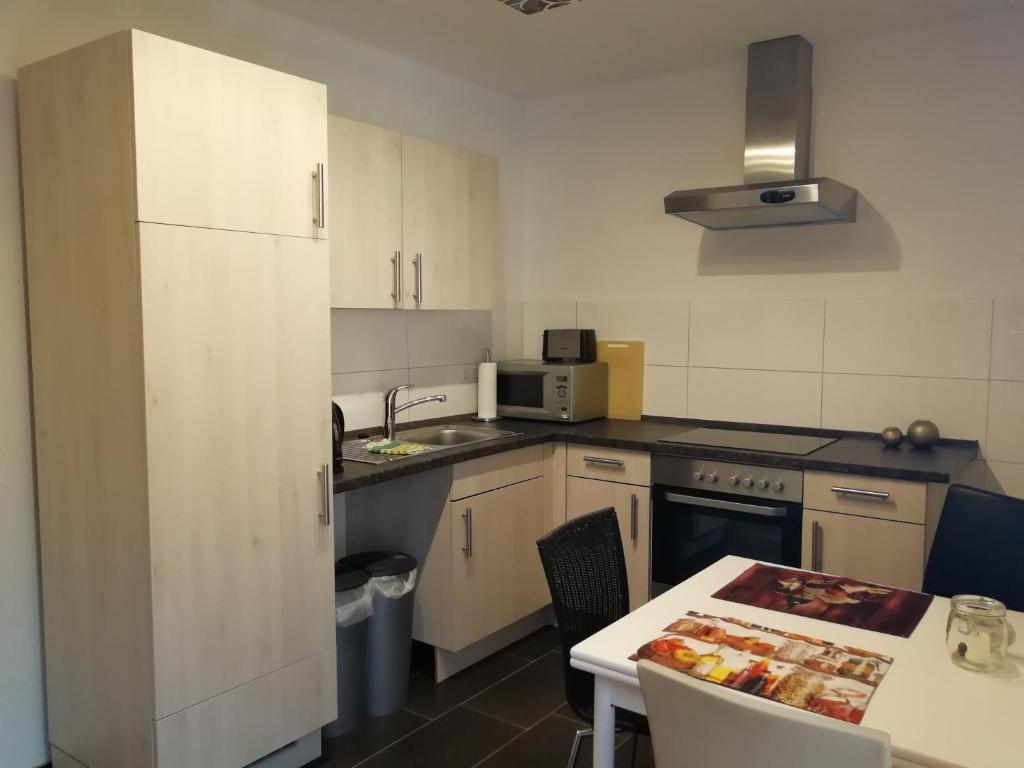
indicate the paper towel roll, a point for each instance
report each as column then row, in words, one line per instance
column 487, row 391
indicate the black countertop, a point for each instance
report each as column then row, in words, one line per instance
column 852, row 453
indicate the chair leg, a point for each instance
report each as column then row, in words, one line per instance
column 575, row 753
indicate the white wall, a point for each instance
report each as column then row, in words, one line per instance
column 909, row 312
column 363, row 83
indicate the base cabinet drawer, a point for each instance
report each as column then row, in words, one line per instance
column 632, row 505
column 878, row 497
column 879, row 551
column 246, row 723
column 633, row 467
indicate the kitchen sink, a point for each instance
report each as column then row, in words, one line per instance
column 450, row 436
column 438, row 438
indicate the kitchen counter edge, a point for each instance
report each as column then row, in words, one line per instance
column 853, row 453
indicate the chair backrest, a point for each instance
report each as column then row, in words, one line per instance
column 977, row 547
column 694, row 722
column 586, row 572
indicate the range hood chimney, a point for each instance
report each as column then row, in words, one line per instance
column 777, row 155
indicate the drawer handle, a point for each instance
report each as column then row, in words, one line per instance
column 877, row 495
column 634, row 517
column 817, row 540
column 603, row 461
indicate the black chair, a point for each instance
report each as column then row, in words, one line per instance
column 586, row 572
column 978, row 547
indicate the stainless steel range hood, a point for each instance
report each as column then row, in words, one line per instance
column 777, row 156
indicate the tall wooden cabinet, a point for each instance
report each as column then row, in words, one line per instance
column 416, row 221
column 179, row 310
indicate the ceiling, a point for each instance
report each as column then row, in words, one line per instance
column 593, row 42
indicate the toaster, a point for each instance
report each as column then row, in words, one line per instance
column 570, row 345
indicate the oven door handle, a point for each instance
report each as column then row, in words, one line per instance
column 728, row 506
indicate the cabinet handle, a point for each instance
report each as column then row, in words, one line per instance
column 320, row 218
column 817, row 542
column 396, row 277
column 417, row 291
column 324, row 473
column 603, row 461
column 843, row 491
column 467, row 518
column 634, row 517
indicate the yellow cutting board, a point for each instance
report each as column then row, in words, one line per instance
column 625, row 377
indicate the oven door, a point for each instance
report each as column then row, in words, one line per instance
column 692, row 529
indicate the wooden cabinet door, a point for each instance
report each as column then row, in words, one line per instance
column 632, row 505
column 435, row 216
column 496, row 575
column 365, row 215
column 450, row 225
column 225, row 144
column 236, row 349
column 880, row 551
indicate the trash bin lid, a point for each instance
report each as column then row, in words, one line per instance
column 381, row 563
column 346, row 577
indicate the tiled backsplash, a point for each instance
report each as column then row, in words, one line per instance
column 373, row 350
column 842, row 363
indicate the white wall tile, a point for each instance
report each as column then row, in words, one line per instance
column 541, row 315
column 361, row 395
column 871, row 403
column 368, row 340
column 449, row 380
column 508, row 331
column 664, row 391
column 1006, row 478
column 448, row 337
column 778, row 335
column 1008, row 340
column 1005, row 421
column 946, row 338
column 763, row 397
column 663, row 326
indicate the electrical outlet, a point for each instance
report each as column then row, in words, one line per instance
column 470, row 374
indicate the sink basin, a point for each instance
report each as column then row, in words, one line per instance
column 449, row 435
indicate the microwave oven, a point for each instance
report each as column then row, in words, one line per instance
column 570, row 392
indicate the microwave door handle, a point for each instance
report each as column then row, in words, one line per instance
column 728, row 506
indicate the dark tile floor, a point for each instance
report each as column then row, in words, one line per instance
column 507, row 711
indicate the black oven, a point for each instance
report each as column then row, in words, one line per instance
column 703, row 510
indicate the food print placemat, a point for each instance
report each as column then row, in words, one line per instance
column 814, row 675
column 829, row 598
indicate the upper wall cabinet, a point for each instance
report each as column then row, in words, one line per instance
column 224, row 144
column 416, row 221
column 366, row 214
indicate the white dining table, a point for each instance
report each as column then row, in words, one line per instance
column 936, row 714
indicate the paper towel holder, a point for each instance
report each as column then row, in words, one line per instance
column 483, row 419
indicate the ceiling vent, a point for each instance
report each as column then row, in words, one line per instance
column 535, row 6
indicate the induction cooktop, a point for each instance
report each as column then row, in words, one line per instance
column 765, row 442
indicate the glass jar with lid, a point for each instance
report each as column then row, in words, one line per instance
column 977, row 632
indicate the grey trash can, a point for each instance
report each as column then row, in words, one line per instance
column 353, row 605
column 389, row 638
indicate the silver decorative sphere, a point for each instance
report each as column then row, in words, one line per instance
column 892, row 437
column 923, row 434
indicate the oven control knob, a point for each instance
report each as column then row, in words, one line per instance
column 778, row 485
column 762, row 484
column 733, row 479
column 698, row 475
column 712, row 477
column 747, row 482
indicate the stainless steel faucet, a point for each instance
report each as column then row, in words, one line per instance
column 391, row 410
